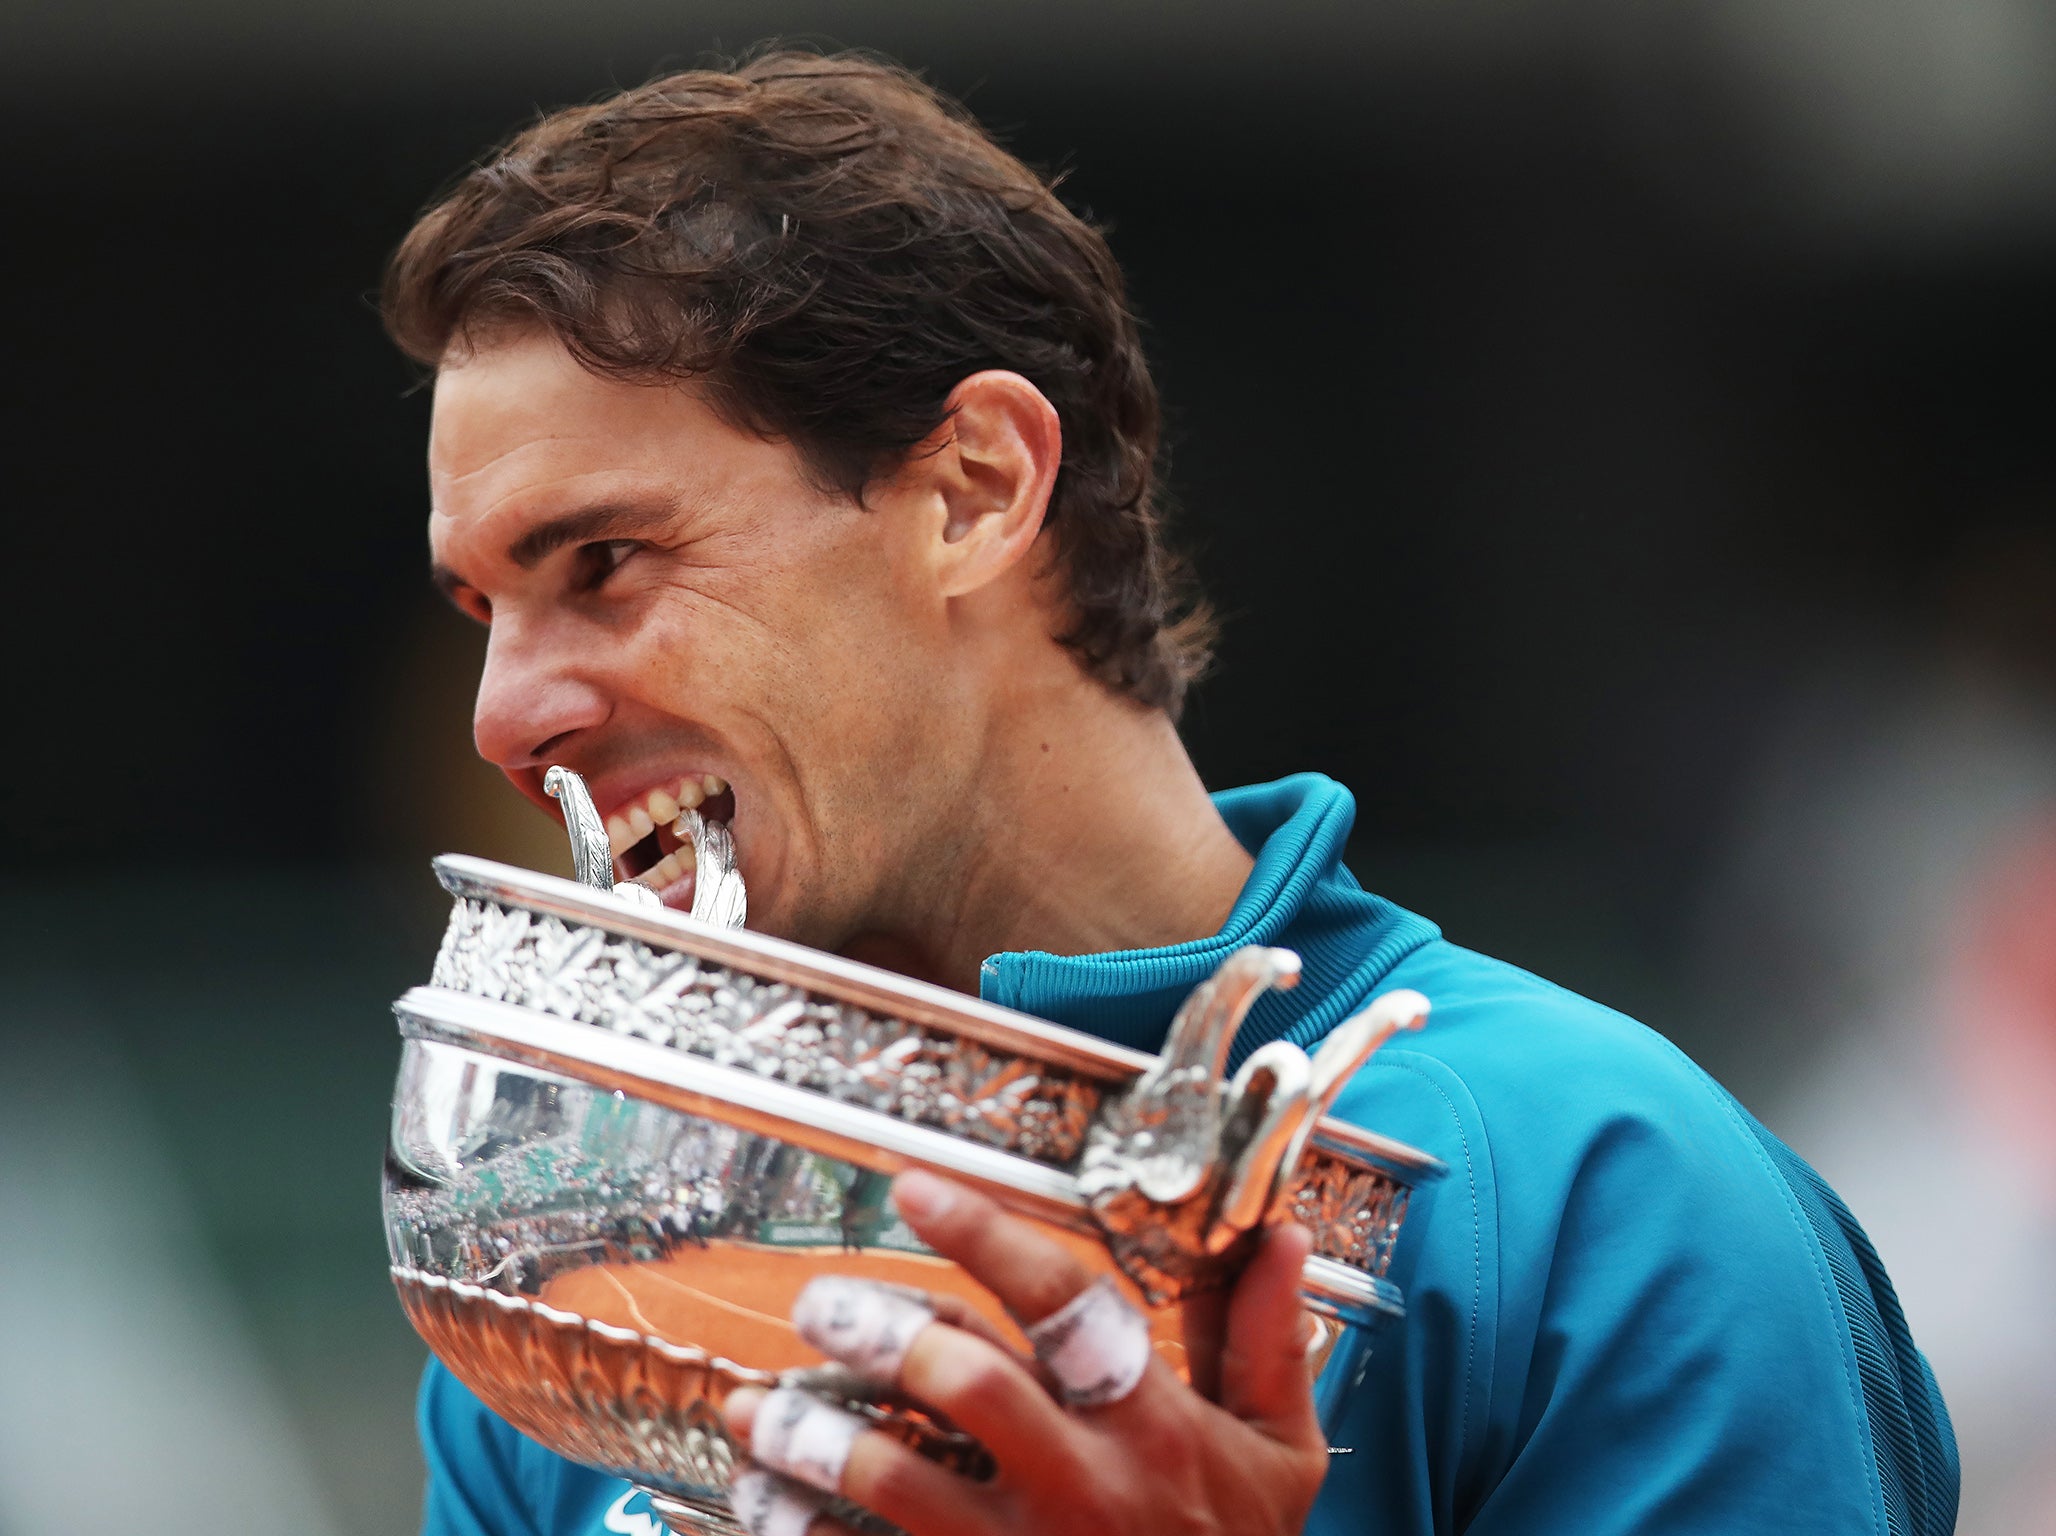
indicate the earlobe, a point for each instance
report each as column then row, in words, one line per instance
column 995, row 469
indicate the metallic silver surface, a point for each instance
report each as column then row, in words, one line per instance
column 723, row 996
column 592, row 859
column 769, row 959
column 1183, row 1170
column 695, row 1003
column 624, row 1140
column 718, row 896
column 1272, row 1103
column 740, row 1095
column 717, row 893
column 509, row 1037
column 1354, row 1213
column 1164, row 1138
column 636, row 894
column 1348, row 1046
column 690, row 1519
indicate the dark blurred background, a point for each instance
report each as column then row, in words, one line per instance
column 1619, row 437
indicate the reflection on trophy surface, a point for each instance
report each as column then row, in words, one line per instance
column 624, row 1140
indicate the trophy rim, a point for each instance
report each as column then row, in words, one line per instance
column 919, row 1003
column 546, row 1044
column 850, row 981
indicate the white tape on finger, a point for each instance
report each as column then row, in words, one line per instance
column 1096, row 1345
column 768, row 1505
column 867, row 1326
column 794, row 1432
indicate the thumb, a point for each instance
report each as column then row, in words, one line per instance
column 1264, row 1376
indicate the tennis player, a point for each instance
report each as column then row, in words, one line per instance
column 796, row 444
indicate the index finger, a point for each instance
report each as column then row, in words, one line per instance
column 1028, row 1268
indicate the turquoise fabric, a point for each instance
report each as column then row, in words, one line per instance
column 1630, row 1308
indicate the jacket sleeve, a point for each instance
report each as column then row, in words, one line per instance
column 1673, row 1355
column 1619, row 1321
column 474, row 1482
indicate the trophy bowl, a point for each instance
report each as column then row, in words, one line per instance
column 624, row 1138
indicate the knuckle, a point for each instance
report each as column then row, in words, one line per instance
column 978, row 1382
column 882, row 1478
column 966, row 1376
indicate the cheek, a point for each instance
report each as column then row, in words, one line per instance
column 868, row 691
column 863, row 716
column 853, row 632
column 826, row 657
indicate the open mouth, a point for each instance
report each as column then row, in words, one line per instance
column 650, row 840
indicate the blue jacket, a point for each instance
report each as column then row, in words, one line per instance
column 1630, row 1307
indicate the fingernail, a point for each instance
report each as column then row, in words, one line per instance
column 922, row 1196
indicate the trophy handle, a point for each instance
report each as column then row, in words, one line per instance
column 717, row 893
column 1181, row 1170
column 592, row 858
column 718, row 897
column 1273, row 1095
column 1162, row 1140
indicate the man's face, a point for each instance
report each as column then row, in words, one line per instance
column 670, row 599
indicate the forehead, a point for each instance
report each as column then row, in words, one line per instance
column 522, row 431
column 524, row 406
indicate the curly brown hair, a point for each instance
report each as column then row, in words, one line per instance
column 830, row 245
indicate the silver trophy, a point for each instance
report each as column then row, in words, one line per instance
column 624, row 1138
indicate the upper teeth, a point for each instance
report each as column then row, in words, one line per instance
column 663, row 806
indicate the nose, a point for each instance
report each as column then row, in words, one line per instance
column 531, row 697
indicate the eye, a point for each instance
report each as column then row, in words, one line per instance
column 598, row 561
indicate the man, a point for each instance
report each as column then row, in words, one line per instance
column 796, row 444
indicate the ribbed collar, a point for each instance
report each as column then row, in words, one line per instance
column 1298, row 895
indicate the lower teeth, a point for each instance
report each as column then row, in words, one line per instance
column 670, row 869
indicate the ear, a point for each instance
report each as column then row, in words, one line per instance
column 986, row 478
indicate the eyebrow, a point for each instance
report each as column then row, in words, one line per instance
column 612, row 520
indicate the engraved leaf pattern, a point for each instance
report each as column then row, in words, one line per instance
column 1353, row 1213
column 772, row 1028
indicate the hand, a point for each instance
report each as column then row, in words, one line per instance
column 1161, row 1460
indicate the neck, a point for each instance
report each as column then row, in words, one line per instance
column 1090, row 832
